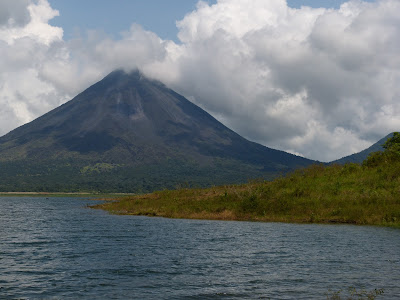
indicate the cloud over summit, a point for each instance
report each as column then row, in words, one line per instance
column 323, row 83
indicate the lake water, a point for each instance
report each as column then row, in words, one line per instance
column 58, row 248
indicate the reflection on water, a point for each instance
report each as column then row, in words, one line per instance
column 58, row 248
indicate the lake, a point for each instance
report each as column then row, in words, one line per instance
column 57, row 248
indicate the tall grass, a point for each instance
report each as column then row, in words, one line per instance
column 367, row 194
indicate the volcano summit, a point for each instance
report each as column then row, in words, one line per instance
column 128, row 133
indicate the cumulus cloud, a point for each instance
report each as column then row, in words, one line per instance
column 25, row 39
column 34, row 25
column 14, row 13
column 322, row 83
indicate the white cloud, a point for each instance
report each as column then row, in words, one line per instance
column 37, row 28
column 25, row 40
column 14, row 13
column 322, row 83
column 313, row 81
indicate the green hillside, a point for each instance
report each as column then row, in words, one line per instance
column 352, row 193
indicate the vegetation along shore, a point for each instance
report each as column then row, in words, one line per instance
column 364, row 194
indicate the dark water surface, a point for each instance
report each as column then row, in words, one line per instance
column 57, row 249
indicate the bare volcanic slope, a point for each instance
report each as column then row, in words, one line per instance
column 128, row 133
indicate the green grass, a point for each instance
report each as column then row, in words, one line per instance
column 367, row 194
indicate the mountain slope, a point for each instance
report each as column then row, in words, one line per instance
column 361, row 156
column 130, row 133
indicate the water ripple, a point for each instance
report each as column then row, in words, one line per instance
column 58, row 249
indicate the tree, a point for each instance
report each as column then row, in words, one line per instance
column 393, row 144
column 390, row 154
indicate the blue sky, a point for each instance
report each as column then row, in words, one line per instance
column 115, row 16
column 159, row 16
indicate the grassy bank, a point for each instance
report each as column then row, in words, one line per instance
column 367, row 194
column 335, row 194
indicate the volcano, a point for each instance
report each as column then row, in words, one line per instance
column 129, row 133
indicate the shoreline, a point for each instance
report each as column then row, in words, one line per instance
column 156, row 205
column 288, row 220
column 98, row 196
column 366, row 194
column 234, row 203
column 222, row 217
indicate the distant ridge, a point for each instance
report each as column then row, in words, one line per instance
column 361, row 156
column 128, row 133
